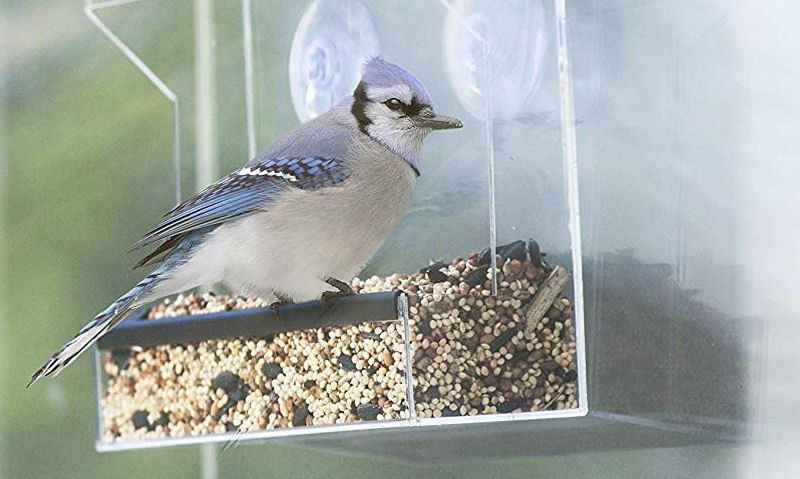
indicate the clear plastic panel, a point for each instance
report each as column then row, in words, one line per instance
column 493, row 338
column 663, row 191
column 503, row 344
column 683, row 130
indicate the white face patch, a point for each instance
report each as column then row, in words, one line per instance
column 394, row 128
column 247, row 171
column 398, row 133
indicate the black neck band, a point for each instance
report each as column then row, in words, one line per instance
column 359, row 107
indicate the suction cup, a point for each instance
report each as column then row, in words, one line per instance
column 502, row 44
column 332, row 41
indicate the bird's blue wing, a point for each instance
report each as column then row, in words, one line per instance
column 246, row 191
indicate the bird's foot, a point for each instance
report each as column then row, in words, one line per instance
column 281, row 301
column 341, row 286
column 327, row 296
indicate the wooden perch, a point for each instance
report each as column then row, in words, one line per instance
column 544, row 298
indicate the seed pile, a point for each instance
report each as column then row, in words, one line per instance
column 332, row 375
column 475, row 353
column 471, row 352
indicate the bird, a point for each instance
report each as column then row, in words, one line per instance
column 298, row 221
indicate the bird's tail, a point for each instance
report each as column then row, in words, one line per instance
column 99, row 326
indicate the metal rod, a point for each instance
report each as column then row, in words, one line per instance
column 355, row 309
column 403, row 314
column 487, row 95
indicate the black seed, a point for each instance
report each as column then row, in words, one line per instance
column 535, row 252
column 501, row 340
column 466, row 384
column 447, row 412
column 560, row 373
column 299, row 415
column 122, row 358
column 548, row 366
column 224, row 409
column 226, row 380
column 309, row 384
column 552, row 407
column 233, row 385
column 238, row 394
column 163, row 420
column 230, row 427
column 353, row 408
column 436, row 276
column 140, row 420
column 435, row 266
column 272, row 370
column 520, row 355
column 368, row 412
column 485, row 256
column 510, row 405
column 424, row 327
column 432, row 392
column 571, row 375
column 346, row 363
column 375, row 336
column 476, row 277
column 515, row 250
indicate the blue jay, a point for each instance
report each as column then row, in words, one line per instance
column 300, row 219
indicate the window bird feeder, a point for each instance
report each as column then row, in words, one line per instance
column 483, row 350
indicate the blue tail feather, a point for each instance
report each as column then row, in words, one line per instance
column 100, row 325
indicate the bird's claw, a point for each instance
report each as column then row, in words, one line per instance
column 278, row 303
column 341, row 286
column 344, row 290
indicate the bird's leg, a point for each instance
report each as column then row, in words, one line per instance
column 344, row 290
column 343, row 287
column 280, row 301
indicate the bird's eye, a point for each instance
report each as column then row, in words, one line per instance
column 393, row 103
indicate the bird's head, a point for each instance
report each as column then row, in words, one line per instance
column 394, row 108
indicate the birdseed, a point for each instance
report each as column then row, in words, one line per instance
column 472, row 354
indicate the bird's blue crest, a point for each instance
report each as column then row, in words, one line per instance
column 379, row 72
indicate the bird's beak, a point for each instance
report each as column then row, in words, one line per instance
column 427, row 118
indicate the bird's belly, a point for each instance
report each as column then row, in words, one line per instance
column 306, row 237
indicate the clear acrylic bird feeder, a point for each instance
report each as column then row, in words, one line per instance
column 470, row 323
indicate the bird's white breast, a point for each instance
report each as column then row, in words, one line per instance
column 303, row 237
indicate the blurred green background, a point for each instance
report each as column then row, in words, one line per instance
column 85, row 144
